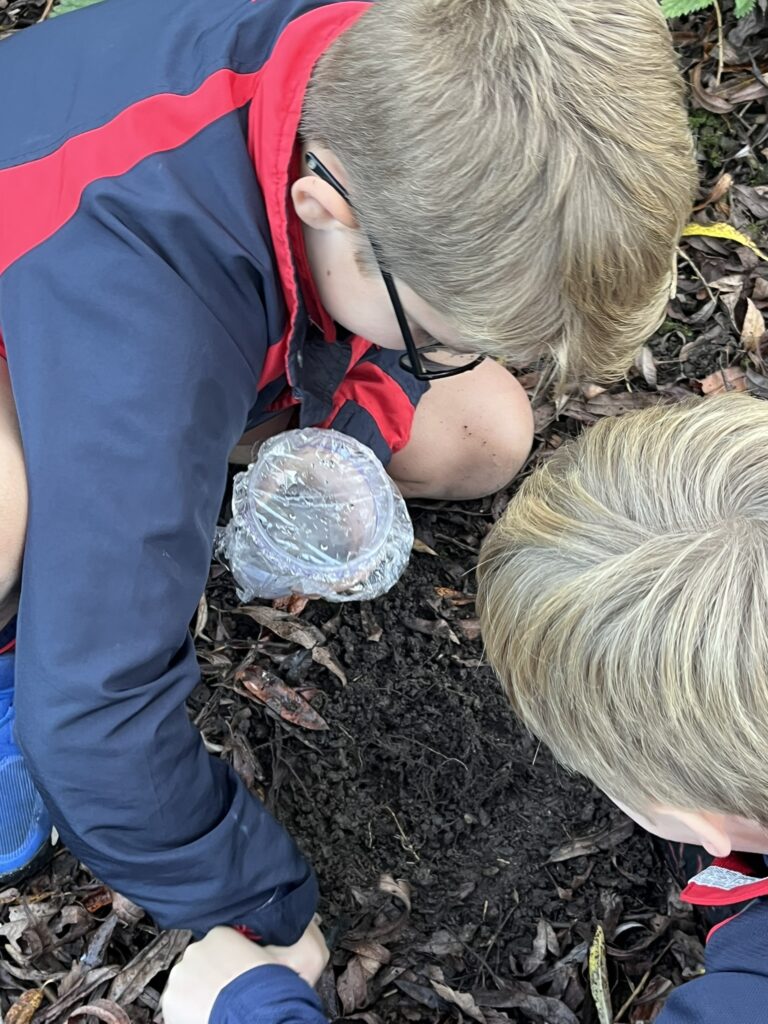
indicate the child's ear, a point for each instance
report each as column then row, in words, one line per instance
column 319, row 206
column 710, row 830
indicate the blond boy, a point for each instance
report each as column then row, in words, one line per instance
column 231, row 215
column 624, row 604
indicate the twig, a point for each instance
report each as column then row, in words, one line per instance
column 697, row 272
column 641, row 984
column 720, row 43
column 405, row 842
column 633, row 994
column 758, row 73
column 46, row 11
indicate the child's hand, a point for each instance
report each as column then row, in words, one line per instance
column 210, row 965
column 307, row 957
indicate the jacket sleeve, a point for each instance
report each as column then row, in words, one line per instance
column 735, row 986
column 738, row 998
column 268, row 995
column 131, row 388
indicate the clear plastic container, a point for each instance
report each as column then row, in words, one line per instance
column 316, row 514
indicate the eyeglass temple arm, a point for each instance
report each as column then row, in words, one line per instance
column 330, row 179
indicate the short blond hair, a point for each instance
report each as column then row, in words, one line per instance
column 525, row 165
column 624, row 604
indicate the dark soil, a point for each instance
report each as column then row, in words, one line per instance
column 425, row 776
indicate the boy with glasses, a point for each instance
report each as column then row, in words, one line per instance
column 236, row 222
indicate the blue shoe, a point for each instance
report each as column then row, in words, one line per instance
column 25, row 827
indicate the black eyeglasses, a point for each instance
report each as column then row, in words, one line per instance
column 415, row 360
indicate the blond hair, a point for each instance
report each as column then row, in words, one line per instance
column 624, row 604
column 525, row 165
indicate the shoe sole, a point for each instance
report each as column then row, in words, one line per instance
column 38, row 862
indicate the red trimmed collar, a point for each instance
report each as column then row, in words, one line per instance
column 274, row 118
column 728, row 880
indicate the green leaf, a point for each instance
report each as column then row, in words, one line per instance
column 743, row 7
column 66, row 6
column 674, row 8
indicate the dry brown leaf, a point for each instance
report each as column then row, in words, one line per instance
column 420, row 994
column 286, row 626
column 98, row 899
column 535, row 958
column 371, row 627
column 25, row 1007
column 286, row 702
column 244, row 760
column 605, row 839
column 455, row 597
column 103, row 1009
column 754, row 198
column 721, row 187
column 294, row 604
column 758, row 383
column 202, row 616
column 470, row 628
column 325, row 658
column 647, row 366
column 543, row 414
column 523, row 996
column 753, row 327
column 708, row 100
column 545, row 940
column 623, row 401
column 463, row 1000
column 66, row 1002
column 743, row 91
column 126, row 910
column 352, row 986
column 731, row 378
column 431, row 627
column 397, row 887
column 759, row 294
column 154, row 958
column 728, row 283
column 368, row 949
column 98, row 941
column 442, row 944
column 423, row 549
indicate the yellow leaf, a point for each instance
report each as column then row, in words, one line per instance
column 723, row 230
column 598, row 978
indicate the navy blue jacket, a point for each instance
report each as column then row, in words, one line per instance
column 734, row 988
column 150, row 310
column 268, row 995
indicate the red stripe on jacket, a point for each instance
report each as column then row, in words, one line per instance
column 382, row 396
column 47, row 192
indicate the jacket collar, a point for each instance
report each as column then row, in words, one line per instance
column 274, row 117
column 728, row 880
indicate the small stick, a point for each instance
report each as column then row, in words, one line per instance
column 46, row 11
column 697, row 272
column 720, row 42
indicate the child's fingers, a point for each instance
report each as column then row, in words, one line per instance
column 308, row 957
column 205, row 969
